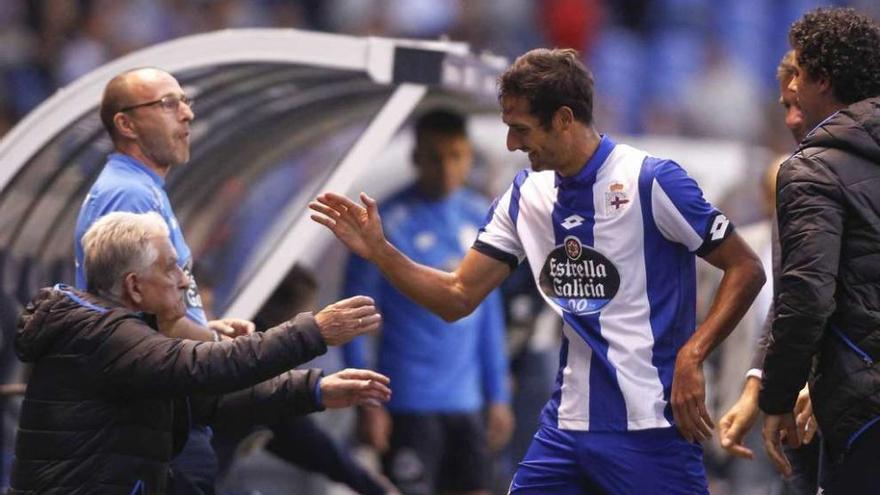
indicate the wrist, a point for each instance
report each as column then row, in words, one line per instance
column 751, row 390
column 689, row 354
column 378, row 251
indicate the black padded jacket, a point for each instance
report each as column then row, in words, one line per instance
column 827, row 323
column 103, row 409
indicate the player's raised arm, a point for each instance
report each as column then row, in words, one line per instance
column 451, row 295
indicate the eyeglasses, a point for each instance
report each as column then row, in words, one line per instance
column 168, row 103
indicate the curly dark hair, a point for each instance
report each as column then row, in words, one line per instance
column 548, row 80
column 841, row 45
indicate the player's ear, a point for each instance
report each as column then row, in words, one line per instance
column 563, row 117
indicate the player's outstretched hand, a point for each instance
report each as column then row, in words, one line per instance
column 354, row 387
column 739, row 420
column 689, row 399
column 344, row 320
column 358, row 227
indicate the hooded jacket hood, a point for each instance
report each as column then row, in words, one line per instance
column 854, row 129
column 55, row 315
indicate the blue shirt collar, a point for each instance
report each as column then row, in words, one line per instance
column 588, row 172
column 132, row 162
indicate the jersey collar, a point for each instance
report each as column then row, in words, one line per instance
column 587, row 173
column 132, row 162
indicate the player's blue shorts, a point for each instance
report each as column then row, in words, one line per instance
column 642, row 462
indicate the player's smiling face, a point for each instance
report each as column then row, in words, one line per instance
column 525, row 133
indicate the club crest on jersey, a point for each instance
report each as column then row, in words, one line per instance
column 578, row 278
column 573, row 247
column 615, row 199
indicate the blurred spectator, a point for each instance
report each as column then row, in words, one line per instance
column 433, row 434
column 648, row 51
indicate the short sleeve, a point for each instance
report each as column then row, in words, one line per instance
column 498, row 238
column 681, row 213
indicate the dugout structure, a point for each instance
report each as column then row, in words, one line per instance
column 281, row 115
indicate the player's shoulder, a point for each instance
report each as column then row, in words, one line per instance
column 527, row 178
column 661, row 168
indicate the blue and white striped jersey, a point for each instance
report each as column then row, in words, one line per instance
column 612, row 250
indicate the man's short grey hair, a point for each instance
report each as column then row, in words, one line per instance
column 118, row 244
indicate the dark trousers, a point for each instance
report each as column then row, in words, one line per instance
column 194, row 470
column 804, row 479
column 859, row 469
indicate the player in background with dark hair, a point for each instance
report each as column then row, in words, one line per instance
column 433, row 434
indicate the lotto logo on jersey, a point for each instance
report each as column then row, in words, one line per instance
column 578, row 278
column 718, row 230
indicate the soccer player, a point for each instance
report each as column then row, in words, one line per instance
column 611, row 234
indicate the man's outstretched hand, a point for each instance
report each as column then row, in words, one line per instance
column 346, row 319
column 354, row 387
column 358, row 227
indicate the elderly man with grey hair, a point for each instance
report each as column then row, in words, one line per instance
column 102, row 412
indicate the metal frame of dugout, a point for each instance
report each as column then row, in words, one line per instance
column 322, row 104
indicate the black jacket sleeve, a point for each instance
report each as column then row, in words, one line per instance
column 270, row 402
column 136, row 360
column 811, row 214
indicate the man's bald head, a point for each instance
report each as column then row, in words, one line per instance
column 122, row 91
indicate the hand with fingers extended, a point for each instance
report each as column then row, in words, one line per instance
column 739, row 420
column 779, row 427
column 344, row 320
column 689, row 398
column 354, row 387
column 358, row 227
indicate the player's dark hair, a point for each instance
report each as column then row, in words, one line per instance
column 440, row 121
column 841, row 45
column 548, row 80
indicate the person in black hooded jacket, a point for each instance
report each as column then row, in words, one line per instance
column 103, row 413
column 827, row 320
